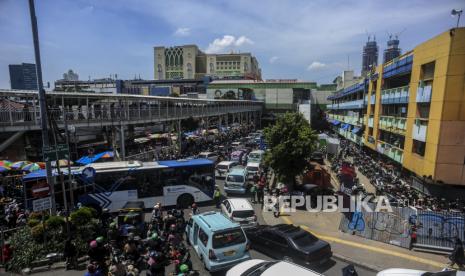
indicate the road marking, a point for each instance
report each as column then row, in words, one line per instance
column 287, row 220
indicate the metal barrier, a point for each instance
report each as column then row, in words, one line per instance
column 431, row 230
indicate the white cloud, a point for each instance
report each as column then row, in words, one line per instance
column 243, row 40
column 316, row 65
column 182, row 32
column 273, row 59
column 227, row 41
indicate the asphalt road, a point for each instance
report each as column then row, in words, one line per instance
column 331, row 268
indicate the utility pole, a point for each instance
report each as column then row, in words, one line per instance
column 42, row 103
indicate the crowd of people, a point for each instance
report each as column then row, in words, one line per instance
column 128, row 253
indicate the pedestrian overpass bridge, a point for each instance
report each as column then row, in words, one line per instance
column 19, row 109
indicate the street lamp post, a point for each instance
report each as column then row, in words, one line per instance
column 42, row 103
column 457, row 12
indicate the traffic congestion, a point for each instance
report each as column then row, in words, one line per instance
column 210, row 221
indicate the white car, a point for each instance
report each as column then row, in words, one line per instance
column 223, row 168
column 240, row 210
column 414, row 272
column 208, row 155
column 269, row 268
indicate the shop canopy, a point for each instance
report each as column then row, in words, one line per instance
column 43, row 174
column 85, row 160
column 336, row 122
column 345, row 126
column 355, row 130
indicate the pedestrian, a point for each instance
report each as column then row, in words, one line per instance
column 217, row 197
column 457, row 255
column 70, row 254
column 253, row 193
column 194, row 208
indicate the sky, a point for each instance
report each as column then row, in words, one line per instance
column 313, row 40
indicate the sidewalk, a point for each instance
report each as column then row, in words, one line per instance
column 368, row 253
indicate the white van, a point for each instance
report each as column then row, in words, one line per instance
column 256, row 156
column 252, row 168
column 236, row 181
column 208, row 155
column 223, row 168
column 240, row 210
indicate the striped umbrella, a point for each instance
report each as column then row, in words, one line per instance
column 18, row 165
column 31, row 167
column 41, row 164
column 5, row 163
column 4, row 169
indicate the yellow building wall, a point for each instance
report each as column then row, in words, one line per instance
column 370, row 111
column 445, row 143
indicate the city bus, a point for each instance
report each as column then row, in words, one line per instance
column 171, row 183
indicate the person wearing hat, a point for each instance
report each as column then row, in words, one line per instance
column 217, row 196
column 183, row 270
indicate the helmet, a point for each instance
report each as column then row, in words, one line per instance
column 93, row 244
column 99, row 239
column 173, row 226
column 113, row 225
column 184, row 268
column 154, row 237
column 153, row 254
column 91, row 268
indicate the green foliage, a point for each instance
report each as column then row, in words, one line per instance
column 189, row 124
column 26, row 248
column 38, row 231
column 55, row 222
column 33, row 222
column 82, row 216
column 291, row 142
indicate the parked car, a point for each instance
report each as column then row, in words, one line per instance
column 208, row 155
column 236, row 181
column 219, row 242
column 240, row 210
column 269, row 268
column 289, row 242
column 414, row 272
column 223, row 168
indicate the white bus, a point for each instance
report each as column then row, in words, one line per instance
column 173, row 182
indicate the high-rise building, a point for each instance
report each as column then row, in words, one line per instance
column 70, row 76
column 392, row 51
column 188, row 62
column 23, row 76
column 370, row 55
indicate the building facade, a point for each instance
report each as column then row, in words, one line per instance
column 370, row 55
column 23, row 76
column 188, row 62
column 392, row 51
column 411, row 110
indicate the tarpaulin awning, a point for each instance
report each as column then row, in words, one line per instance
column 355, row 130
column 43, row 173
column 336, row 122
column 345, row 126
column 91, row 159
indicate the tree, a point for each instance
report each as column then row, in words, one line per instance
column 291, row 142
column 189, row 124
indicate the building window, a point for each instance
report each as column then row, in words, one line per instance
column 189, row 71
column 418, row 147
column 160, row 71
